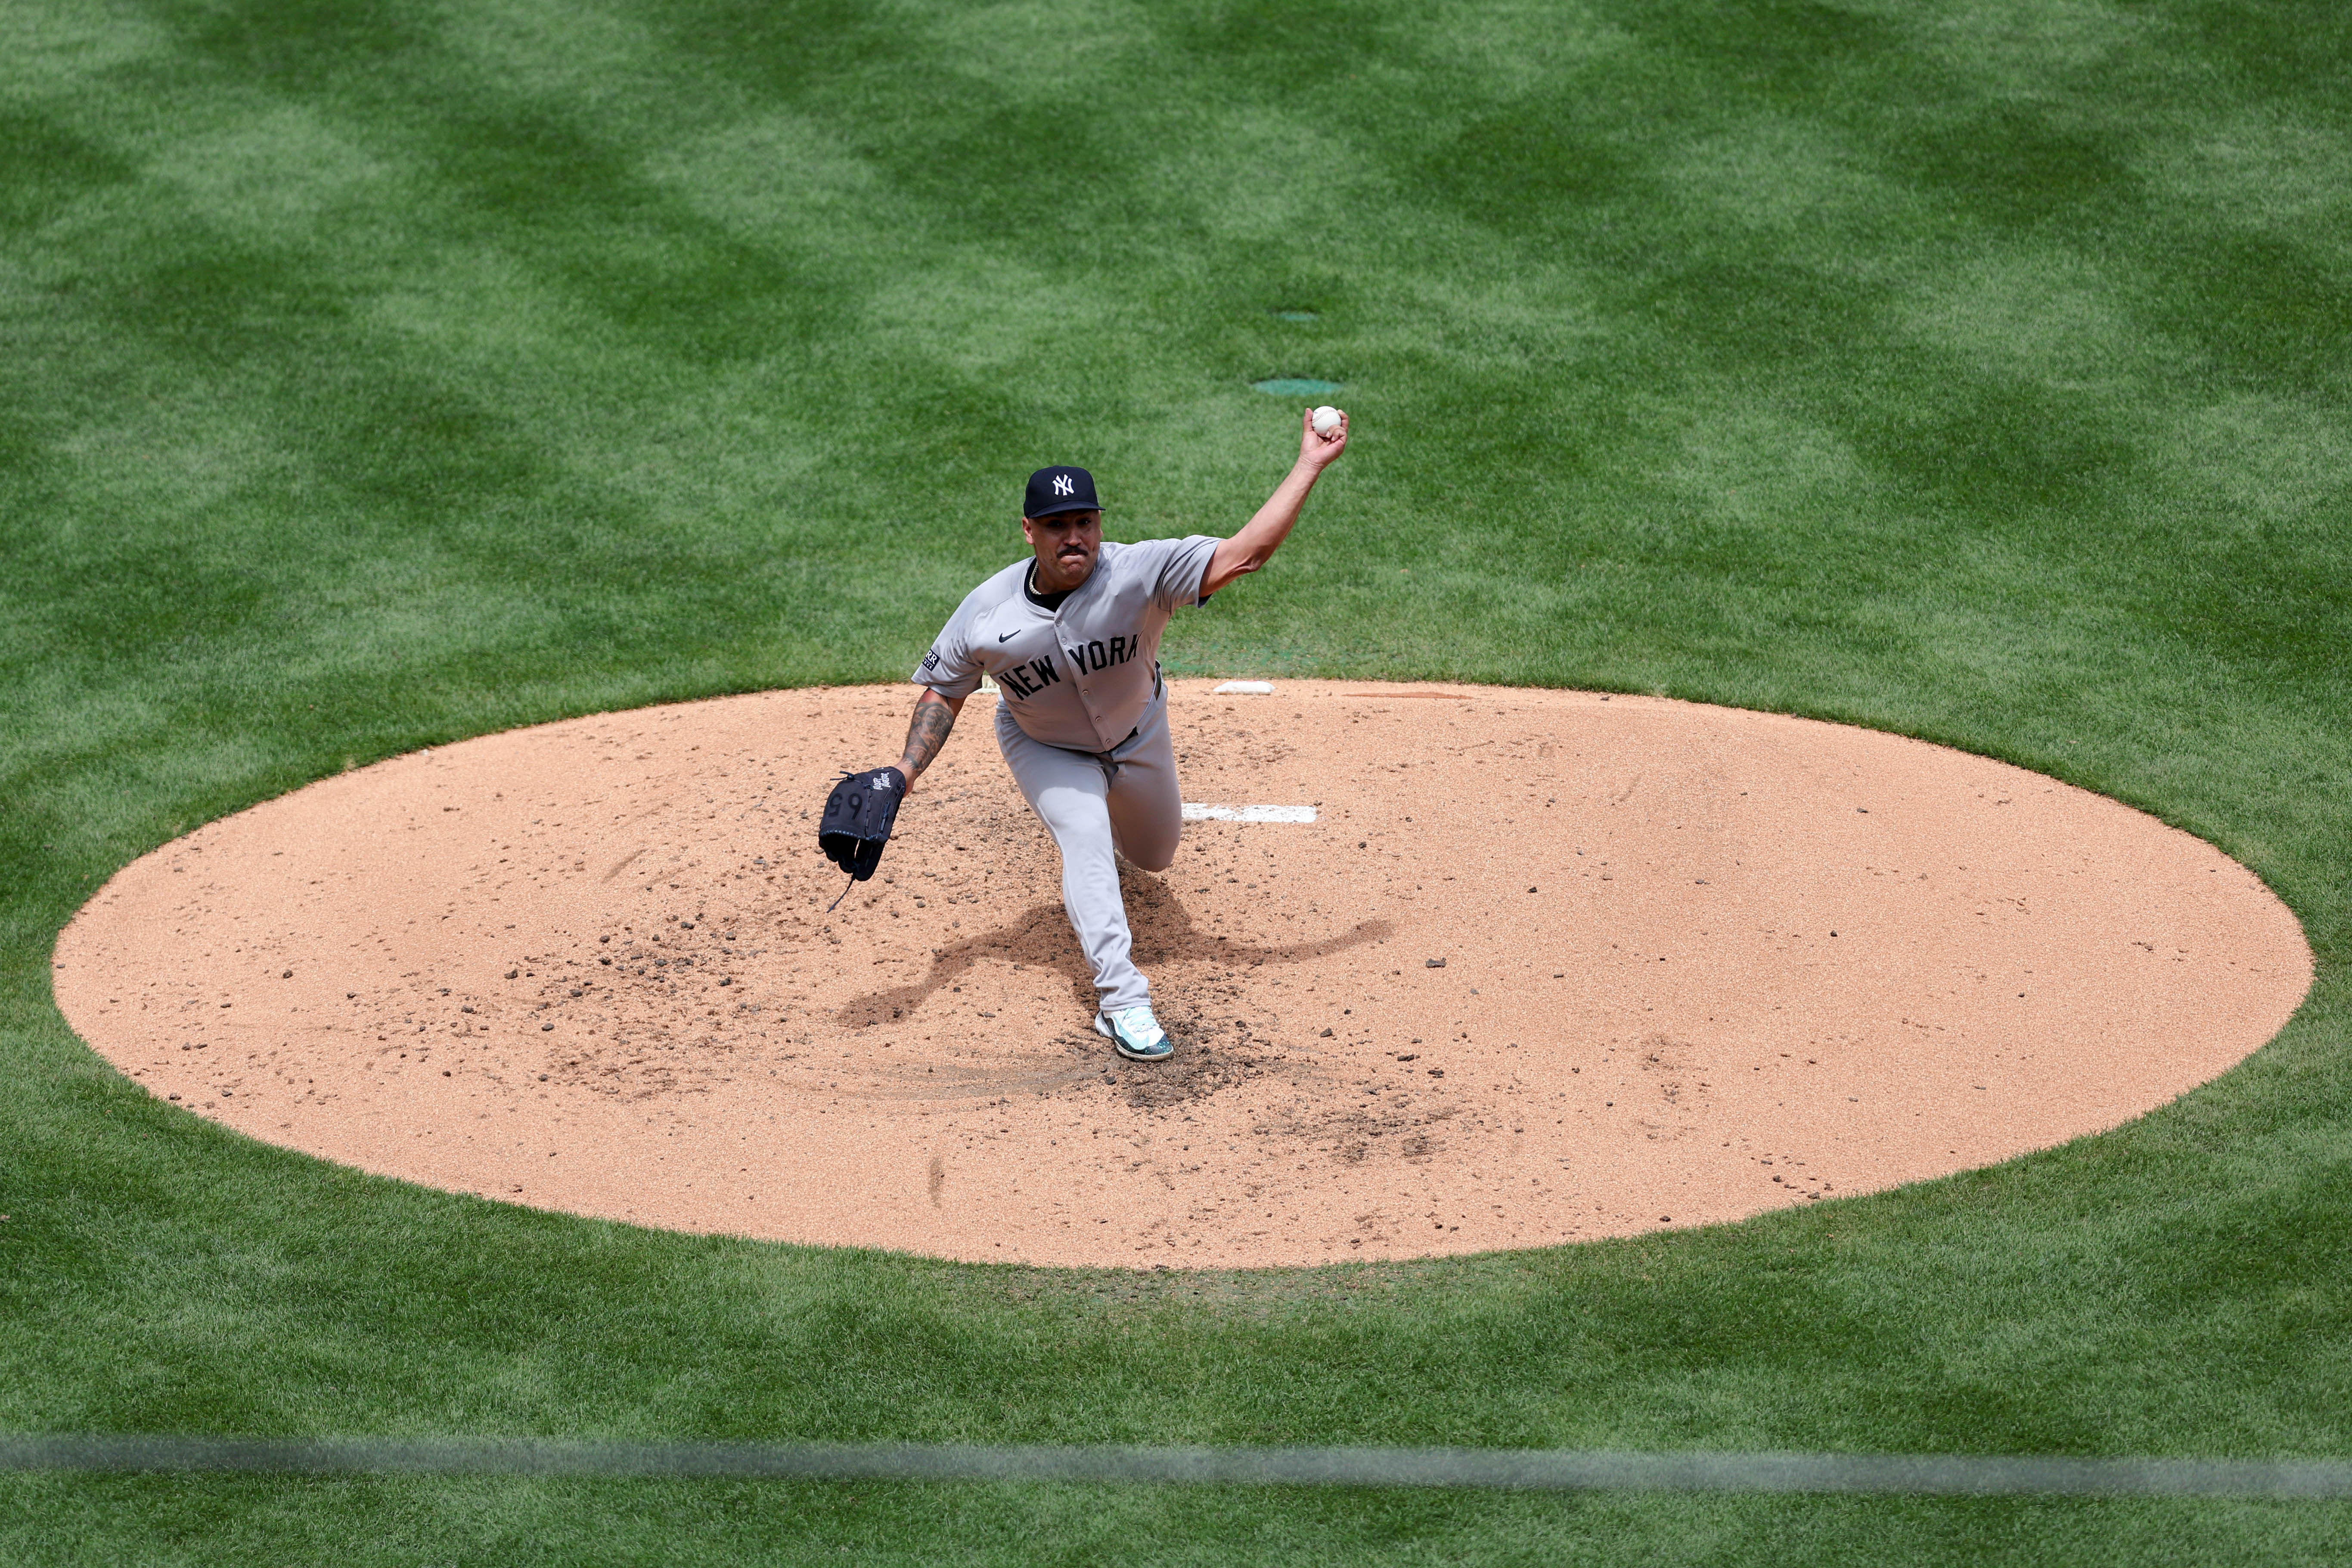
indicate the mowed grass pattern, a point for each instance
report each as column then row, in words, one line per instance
column 377, row 373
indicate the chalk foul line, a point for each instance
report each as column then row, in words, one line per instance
column 1539, row 1470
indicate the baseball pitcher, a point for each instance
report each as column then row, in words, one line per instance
column 1071, row 636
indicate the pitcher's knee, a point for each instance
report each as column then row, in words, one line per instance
column 1153, row 850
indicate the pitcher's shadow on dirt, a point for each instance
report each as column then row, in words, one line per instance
column 1041, row 935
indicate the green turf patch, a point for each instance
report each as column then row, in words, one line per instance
column 383, row 373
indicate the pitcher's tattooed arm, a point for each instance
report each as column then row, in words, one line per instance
column 934, row 716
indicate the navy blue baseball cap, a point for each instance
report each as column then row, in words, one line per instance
column 1059, row 489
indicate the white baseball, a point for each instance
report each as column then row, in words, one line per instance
column 1327, row 420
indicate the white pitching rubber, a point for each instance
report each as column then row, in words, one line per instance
column 1245, row 688
column 1197, row 813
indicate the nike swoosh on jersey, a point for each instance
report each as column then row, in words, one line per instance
column 1008, row 636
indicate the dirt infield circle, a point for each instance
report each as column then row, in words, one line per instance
column 1545, row 966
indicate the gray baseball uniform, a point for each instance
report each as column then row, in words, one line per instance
column 1084, row 722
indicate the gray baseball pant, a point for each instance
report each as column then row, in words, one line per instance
column 1099, row 806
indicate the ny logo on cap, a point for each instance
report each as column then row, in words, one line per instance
column 1062, row 486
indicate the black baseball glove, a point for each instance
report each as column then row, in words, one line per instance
column 858, row 817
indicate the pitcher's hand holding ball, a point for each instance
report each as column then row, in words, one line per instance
column 1326, row 437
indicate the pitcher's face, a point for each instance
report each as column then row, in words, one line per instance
column 1065, row 545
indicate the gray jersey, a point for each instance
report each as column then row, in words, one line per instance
column 1080, row 677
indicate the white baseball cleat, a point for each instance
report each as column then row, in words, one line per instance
column 1135, row 1033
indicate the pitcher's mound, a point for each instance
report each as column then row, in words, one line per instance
column 1543, row 966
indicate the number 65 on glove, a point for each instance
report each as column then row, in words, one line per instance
column 858, row 817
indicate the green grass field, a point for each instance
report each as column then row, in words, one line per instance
column 375, row 372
